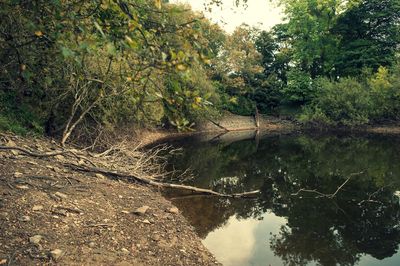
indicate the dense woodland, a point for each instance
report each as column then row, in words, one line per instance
column 88, row 66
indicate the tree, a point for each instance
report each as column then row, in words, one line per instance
column 237, row 68
column 103, row 61
column 369, row 36
column 309, row 25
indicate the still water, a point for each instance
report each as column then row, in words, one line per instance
column 359, row 225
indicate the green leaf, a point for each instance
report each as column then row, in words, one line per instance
column 99, row 28
column 66, row 52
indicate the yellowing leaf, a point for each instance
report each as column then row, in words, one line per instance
column 158, row 3
column 207, row 61
column 128, row 79
column 181, row 67
column 128, row 39
column 38, row 33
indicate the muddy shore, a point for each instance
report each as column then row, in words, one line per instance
column 53, row 215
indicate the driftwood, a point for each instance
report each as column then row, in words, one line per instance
column 148, row 181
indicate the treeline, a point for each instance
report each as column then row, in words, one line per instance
column 336, row 60
column 70, row 67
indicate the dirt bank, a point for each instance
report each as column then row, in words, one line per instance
column 228, row 123
column 50, row 214
column 231, row 122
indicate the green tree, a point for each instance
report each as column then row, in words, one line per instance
column 369, row 36
column 309, row 24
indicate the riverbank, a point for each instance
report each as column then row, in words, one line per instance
column 52, row 214
column 231, row 124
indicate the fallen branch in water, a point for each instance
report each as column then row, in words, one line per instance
column 151, row 182
column 323, row 195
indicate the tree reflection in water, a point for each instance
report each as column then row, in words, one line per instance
column 363, row 218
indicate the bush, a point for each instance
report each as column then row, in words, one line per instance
column 18, row 118
column 268, row 96
column 385, row 92
column 239, row 105
column 299, row 88
column 346, row 102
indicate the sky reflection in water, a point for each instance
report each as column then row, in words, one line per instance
column 360, row 226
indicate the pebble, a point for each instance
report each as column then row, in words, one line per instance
column 25, row 218
column 18, row 174
column 173, row 210
column 92, row 244
column 22, row 186
column 56, row 254
column 60, row 195
column 32, row 163
column 37, row 208
column 126, row 212
column 142, row 210
column 59, row 157
column 125, row 251
column 35, row 239
column 146, row 221
column 100, row 176
column 3, row 261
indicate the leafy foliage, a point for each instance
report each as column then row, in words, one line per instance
column 107, row 63
column 353, row 102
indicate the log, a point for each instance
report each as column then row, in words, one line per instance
column 161, row 184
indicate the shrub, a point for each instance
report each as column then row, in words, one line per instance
column 385, row 92
column 346, row 102
column 299, row 88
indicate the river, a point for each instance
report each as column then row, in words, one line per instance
column 326, row 199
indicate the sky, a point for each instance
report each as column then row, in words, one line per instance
column 259, row 13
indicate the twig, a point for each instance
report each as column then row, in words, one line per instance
column 323, row 195
column 100, row 225
column 340, row 187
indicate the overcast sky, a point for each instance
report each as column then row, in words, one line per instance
column 259, row 13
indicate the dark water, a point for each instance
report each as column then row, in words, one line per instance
column 359, row 226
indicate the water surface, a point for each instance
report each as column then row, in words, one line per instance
column 360, row 225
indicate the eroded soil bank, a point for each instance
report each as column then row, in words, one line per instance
column 51, row 214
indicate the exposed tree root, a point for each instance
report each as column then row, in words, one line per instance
column 46, row 154
column 148, row 181
column 31, row 153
